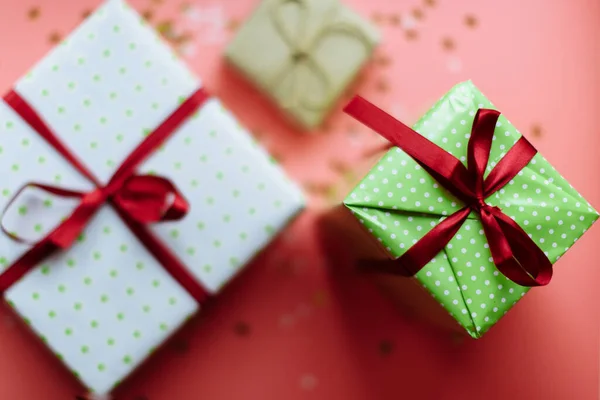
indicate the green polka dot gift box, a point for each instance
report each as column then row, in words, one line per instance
column 161, row 172
column 451, row 234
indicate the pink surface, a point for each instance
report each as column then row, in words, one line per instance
column 287, row 329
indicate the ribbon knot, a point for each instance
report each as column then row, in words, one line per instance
column 479, row 205
column 513, row 252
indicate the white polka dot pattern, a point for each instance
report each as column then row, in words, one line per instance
column 103, row 305
column 399, row 203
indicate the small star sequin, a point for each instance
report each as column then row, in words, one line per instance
column 471, row 21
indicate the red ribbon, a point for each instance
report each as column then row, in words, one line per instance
column 514, row 253
column 138, row 199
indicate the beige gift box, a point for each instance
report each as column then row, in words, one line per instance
column 303, row 54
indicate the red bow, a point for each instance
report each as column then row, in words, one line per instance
column 138, row 199
column 514, row 253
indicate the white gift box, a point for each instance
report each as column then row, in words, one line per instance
column 105, row 303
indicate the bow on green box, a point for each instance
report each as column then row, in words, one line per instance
column 480, row 240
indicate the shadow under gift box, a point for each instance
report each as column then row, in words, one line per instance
column 398, row 202
column 105, row 303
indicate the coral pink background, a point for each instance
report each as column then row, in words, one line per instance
column 285, row 329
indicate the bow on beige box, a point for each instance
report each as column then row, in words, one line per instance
column 303, row 54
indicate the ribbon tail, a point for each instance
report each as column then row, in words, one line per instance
column 513, row 251
column 448, row 170
column 421, row 253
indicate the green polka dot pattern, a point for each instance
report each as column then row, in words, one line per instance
column 399, row 202
column 104, row 304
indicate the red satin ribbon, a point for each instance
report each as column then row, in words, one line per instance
column 514, row 253
column 138, row 199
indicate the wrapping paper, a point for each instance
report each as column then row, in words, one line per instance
column 399, row 202
column 303, row 54
column 104, row 304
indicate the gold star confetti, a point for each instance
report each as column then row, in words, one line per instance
column 165, row 28
column 395, row 19
column 241, row 328
column 326, row 126
column 536, row 130
column 337, row 166
column 148, row 15
column 385, row 347
column 377, row 18
column 382, row 60
column 417, row 13
column 33, row 13
column 331, row 194
column 471, row 21
column 411, row 34
column 317, row 189
column 448, row 44
column 232, row 25
column 430, row 3
column 382, row 86
column 54, row 37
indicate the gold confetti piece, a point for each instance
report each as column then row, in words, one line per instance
column 417, row 13
column 448, row 44
column 317, row 189
column 377, row 17
column 395, row 19
column 86, row 13
column 148, row 15
column 383, row 60
column 165, row 28
column 471, row 21
column 232, row 25
column 430, row 3
column 382, row 86
column 536, row 131
column 54, row 37
column 385, row 347
column 331, row 194
column 338, row 166
column 411, row 34
column 241, row 328
column 33, row 13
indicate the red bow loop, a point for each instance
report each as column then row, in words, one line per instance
column 512, row 250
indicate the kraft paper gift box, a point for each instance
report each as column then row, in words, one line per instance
column 398, row 202
column 103, row 304
column 303, row 54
